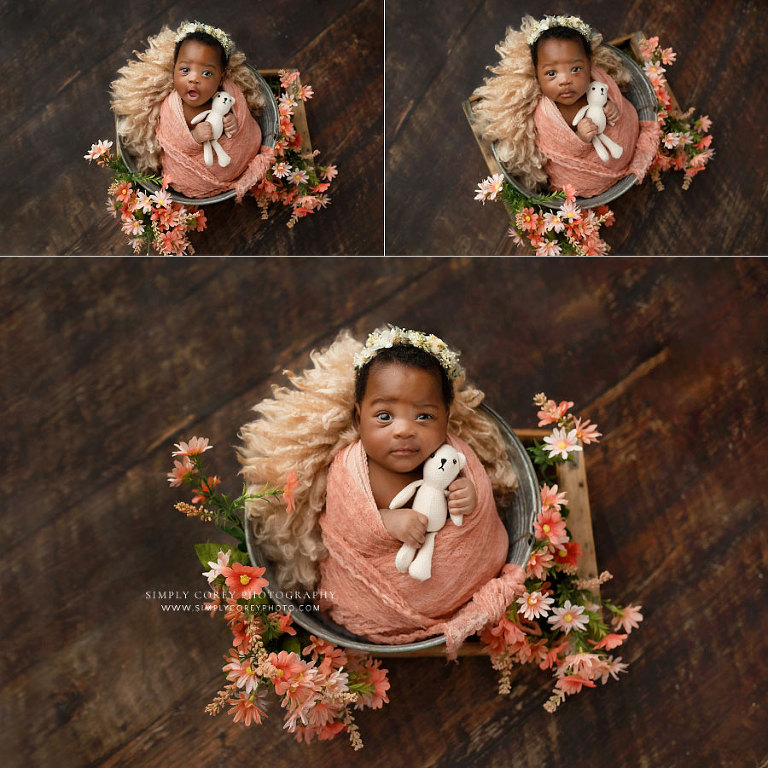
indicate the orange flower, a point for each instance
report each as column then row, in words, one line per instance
column 290, row 487
column 245, row 708
column 244, row 581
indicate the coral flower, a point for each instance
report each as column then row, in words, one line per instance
column 206, row 487
column 548, row 248
column 289, row 669
column 305, row 92
column 503, row 634
column 246, row 710
column 627, row 618
column 568, row 617
column 194, row 447
column 97, row 150
column 609, row 642
column 285, row 624
column 244, row 581
column 611, row 668
column 562, row 443
column 217, row 568
column 551, row 411
column 567, row 555
column 586, row 432
column 534, row 604
column 550, row 526
column 290, row 486
column 573, row 683
column 330, row 173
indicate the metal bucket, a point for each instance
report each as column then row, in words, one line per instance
column 268, row 122
column 643, row 99
column 518, row 517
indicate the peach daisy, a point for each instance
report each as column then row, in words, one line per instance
column 550, row 526
column 568, row 617
column 305, row 92
column 609, row 642
column 97, row 150
column 567, row 555
column 573, row 683
column 180, row 470
column 161, row 198
column 244, row 581
column 375, row 696
column 611, row 668
column 551, row 499
column 240, row 672
column 551, row 411
column 534, row 604
column 245, row 710
column 290, row 486
column 217, row 568
column 194, row 447
column 586, row 432
column 330, row 173
column 582, row 664
column 298, row 177
column 289, row 669
column 538, row 563
column 627, row 618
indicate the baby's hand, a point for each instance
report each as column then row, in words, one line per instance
column 586, row 130
column 612, row 113
column 230, row 124
column 202, row 132
column 406, row 525
column 461, row 497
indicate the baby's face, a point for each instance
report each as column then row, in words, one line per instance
column 197, row 73
column 563, row 70
column 402, row 418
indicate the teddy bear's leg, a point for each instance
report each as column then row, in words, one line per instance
column 457, row 519
column 223, row 157
column 404, row 558
column 421, row 568
column 207, row 153
column 600, row 149
column 615, row 150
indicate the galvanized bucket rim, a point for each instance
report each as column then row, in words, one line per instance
column 332, row 632
column 645, row 103
column 268, row 139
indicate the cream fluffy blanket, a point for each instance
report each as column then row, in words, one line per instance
column 470, row 584
column 182, row 157
column 573, row 161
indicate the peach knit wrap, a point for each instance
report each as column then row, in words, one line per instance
column 573, row 161
column 182, row 156
column 470, row 584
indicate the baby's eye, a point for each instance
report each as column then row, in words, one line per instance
column 384, row 416
column 424, row 417
column 207, row 73
column 184, row 70
column 576, row 69
column 551, row 73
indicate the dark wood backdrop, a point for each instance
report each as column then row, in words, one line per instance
column 107, row 363
column 436, row 54
column 59, row 61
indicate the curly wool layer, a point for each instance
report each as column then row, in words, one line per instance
column 507, row 102
column 301, row 428
column 142, row 85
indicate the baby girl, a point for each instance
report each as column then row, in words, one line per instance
column 540, row 85
column 406, row 398
column 158, row 96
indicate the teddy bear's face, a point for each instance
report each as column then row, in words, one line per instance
column 222, row 101
column 443, row 466
column 597, row 94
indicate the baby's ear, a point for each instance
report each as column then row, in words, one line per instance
column 356, row 416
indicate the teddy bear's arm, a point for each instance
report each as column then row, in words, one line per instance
column 579, row 115
column 405, row 494
column 199, row 118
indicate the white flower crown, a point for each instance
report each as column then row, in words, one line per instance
column 197, row 26
column 384, row 338
column 574, row 22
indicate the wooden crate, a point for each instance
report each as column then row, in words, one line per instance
column 299, row 112
column 629, row 44
column 571, row 478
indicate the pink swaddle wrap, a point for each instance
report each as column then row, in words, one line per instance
column 182, row 156
column 573, row 161
column 470, row 584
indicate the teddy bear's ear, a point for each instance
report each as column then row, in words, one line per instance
column 462, row 460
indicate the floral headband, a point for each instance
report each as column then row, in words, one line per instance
column 574, row 22
column 220, row 35
column 384, row 338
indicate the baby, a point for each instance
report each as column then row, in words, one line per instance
column 158, row 96
column 540, row 85
column 407, row 396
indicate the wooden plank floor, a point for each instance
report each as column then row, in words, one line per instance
column 107, row 363
column 438, row 56
column 56, row 97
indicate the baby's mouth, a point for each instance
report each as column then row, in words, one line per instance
column 192, row 94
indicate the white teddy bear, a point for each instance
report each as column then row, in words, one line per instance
column 221, row 104
column 597, row 96
column 431, row 500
